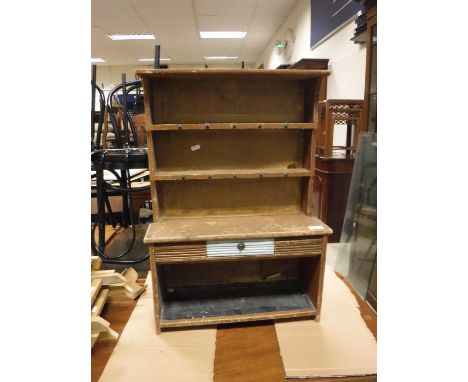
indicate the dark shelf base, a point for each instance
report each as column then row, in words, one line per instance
column 234, row 300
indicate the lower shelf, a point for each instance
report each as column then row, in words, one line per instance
column 187, row 306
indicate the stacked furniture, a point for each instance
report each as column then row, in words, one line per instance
column 333, row 165
column 231, row 160
column 370, row 89
column 334, row 112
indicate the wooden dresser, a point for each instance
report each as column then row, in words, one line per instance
column 231, row 160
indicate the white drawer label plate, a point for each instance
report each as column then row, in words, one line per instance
column 240, row 247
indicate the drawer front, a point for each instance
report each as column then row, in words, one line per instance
column 180, row 251
column 199, row 251
column 298, row 246
column 240, row 248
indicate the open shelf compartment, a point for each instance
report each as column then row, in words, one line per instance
column 195, row 294
column 230, row 96
column 229, row 153
column 234, row 300
column 231, row 196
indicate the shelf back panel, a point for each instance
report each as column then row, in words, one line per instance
column 230, row 149
column 267, row 196
column 228, row 101
column 220, row 289
column 219, row 273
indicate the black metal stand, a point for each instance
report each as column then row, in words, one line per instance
column 117, row 160
column 121, row 160
column 93, row 99
column 157, row 56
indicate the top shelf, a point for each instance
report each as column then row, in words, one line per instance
column 251, row 74
column 224, row 98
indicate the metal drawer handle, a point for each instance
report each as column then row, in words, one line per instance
column 241, row 246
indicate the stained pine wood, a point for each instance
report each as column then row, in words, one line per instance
column 170, row 230
column 237, row 318
column 232, row 174
column 233, row 126
column 149, row 142
column 277, row 273
column 237, row 146
column 226, row 197
column 231, row 149
column 216, row 273
column 194, row 258
column 312, row 273
column 231, row 100
column 274, row 103
column 193, row 252
column 157, row 300
column 250, row 74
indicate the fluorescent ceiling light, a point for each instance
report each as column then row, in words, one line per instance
column 132, row 36
column 94, row 60
column 152, row 59
column 220, row 57
column 223, row 34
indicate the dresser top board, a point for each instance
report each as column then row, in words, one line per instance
column 171, row 229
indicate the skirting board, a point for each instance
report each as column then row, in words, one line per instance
column 339, row 345
column 176, row 356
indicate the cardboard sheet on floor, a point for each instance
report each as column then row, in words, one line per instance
column 339, row 345
column 176, row 356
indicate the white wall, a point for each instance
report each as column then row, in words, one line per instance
column 112, row 75
column 347, row 59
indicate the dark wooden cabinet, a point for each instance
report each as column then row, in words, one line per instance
column 311, row 63
column 333, row 169
column 370, row 96
column 333, row 113
column 332, row 180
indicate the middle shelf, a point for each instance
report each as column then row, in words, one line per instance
column 221, row 154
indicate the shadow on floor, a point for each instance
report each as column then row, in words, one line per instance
column 120, row 242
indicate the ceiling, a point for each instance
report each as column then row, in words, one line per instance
column 176, row 25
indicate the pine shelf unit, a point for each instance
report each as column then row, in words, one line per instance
column 231, row 161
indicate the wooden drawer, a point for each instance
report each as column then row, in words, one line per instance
column 237, row 249
column 225, row 248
